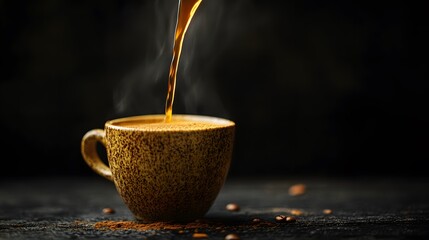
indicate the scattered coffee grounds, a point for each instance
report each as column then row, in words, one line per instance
column 108, row 210
column 297, row 189
column 116, row 225
column 327, row 211
column 232, row 236
column 232, row 207
column 200, row 235
column 280, row 218
column 290, row 219
column 219, row 225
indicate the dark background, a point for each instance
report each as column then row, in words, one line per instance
column 315, row 88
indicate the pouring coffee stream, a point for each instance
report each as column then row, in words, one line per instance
column 186, row 11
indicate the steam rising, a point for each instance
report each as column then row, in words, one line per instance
column 144, row 90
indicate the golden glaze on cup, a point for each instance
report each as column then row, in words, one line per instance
column 164, row 175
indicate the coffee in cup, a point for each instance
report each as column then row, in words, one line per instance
column 164, row 171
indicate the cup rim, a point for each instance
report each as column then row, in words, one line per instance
column 222, row 122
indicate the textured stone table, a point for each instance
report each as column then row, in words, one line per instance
column 363, row 208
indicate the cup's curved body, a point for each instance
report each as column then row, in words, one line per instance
column 167, row 173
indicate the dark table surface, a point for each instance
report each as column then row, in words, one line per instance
column 363, row 208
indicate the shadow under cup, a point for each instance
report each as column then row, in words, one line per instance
column 164, row 171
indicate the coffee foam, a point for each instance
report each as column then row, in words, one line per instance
column 177, row 124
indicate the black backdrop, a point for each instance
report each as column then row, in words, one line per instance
column 336, row 88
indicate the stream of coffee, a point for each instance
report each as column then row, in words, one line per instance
column 186, row 11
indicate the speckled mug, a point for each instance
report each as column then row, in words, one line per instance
column 164, row 174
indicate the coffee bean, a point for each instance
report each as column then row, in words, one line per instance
column 296, row 212
column 290, row 219
column 200, row 235
column 297, row 189
column 232, row 207
column 327, row 211
column 256, row 220
column 280, row 218
column 232, row 236
column 108, row 210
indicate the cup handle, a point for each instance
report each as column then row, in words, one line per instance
column 90, row 155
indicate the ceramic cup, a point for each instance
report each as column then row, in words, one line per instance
column 164, row 171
